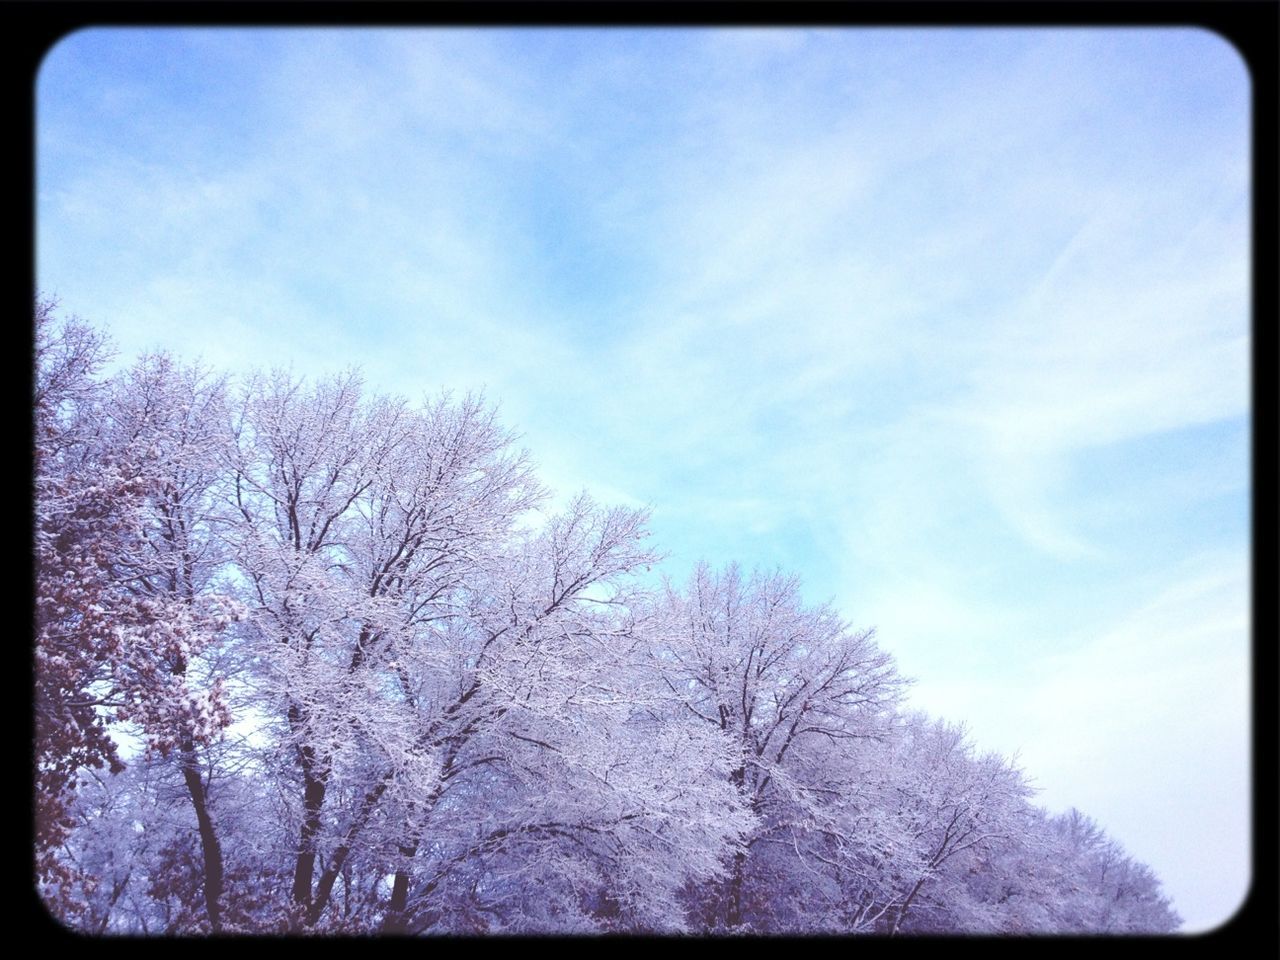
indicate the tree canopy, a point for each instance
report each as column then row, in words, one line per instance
column 313, row 659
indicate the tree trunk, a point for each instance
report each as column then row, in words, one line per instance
column 314, row 784
column 325, row 887
column 395, row 921
column 210, row 848
column 305, row 867
column 733, row 906
column 906, row 905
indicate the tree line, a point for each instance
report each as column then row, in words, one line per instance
column 312, row 659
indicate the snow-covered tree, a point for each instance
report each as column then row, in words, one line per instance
column 548, row 714
column 422, row 638
column 792, row 688
column 952, row 809
column 109, row 647
column 371, row 683
column 178, row 417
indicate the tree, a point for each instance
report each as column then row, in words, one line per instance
column 71, row 518
column 178, row 416
column 368, row 682
column 953, row 809
column 1099, row 888
column 550, row 725
column 789, row 687
column 414, row 648
column 108, row 647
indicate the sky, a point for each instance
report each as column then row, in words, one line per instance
column 952, row 323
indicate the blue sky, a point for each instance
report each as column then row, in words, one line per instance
column 953, row 323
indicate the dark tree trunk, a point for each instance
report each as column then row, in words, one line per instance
column 314, row 784
column 906, row 905
column 325, row 887
column 733, row 898
column 396, row 921
column 305, row 867
column 210, row 848
column 733, row 905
